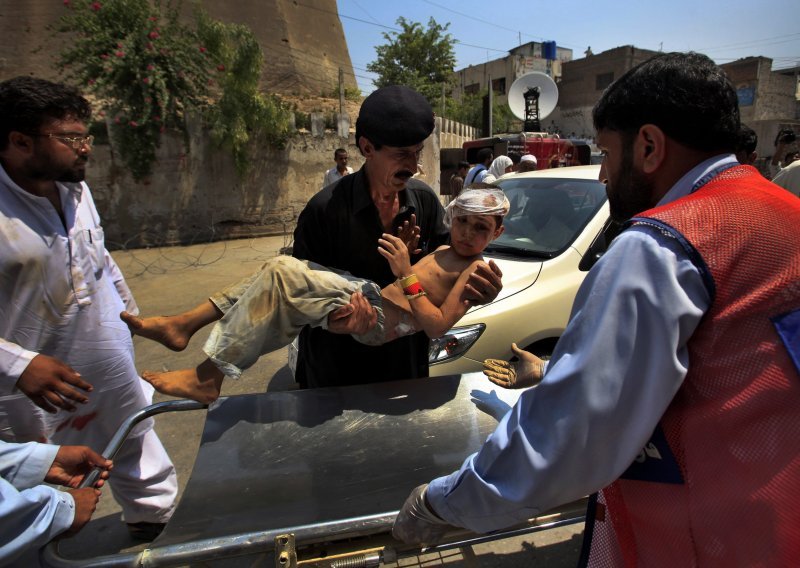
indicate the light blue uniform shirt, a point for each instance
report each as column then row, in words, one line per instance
column 613, row 373
column 31, row 514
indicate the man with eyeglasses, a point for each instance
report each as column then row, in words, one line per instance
column 67, row 373
column 340, row 227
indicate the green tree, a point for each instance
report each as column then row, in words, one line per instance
column 469, row 110
column 420, row 58
column 241, row 111
column 147, row 70
column 141, row 64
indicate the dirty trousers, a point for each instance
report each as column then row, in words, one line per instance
column 267, row 310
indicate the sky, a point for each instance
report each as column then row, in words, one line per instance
column 725, row 30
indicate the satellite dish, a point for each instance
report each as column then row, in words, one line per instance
column 532, row 97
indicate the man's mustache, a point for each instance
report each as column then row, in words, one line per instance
column 405, row 174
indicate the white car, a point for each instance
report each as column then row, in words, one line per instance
column 557, row 227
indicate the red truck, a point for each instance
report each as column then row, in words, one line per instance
column 551, row 151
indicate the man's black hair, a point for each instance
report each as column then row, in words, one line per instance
column 463, row 164
column 339, row 151
column 27, row 102
column 484, row 154
column 685, row 94
column 748, row 140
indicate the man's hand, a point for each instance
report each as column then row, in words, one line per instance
column 46, row 381
column 73, row 463
column 357, row 317
column 395, row 252
column 85, row 504
column 526, row 372
column 409, row 232
column 417, row 522
column 484, row 284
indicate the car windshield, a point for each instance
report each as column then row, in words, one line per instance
column 546, row 214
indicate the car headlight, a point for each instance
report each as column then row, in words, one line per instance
column 454, row 343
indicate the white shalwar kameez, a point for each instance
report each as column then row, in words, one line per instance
column 60, row 295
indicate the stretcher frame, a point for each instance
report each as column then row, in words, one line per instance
column 449, row 416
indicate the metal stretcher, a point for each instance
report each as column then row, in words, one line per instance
column 316, row 477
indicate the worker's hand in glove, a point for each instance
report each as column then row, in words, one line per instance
column 416, row 522
column 526, row 372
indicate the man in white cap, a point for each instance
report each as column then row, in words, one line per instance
column 527, row 163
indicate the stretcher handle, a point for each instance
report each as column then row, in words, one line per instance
column 130, row 423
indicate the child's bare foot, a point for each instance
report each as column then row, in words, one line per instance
column 170, row 331
column 202, row 384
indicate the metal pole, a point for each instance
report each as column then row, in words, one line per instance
column 491, row 98
column 341, row 92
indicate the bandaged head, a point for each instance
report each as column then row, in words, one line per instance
column 489, row 201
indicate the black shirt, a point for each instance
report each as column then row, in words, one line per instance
column 339, row 228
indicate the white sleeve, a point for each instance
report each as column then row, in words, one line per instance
column 121, row 285
column 615, row 370
column 13, row 361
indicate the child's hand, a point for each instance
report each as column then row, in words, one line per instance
column 408, row 232
column 396, row 252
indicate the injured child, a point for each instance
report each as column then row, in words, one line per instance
column 268, row 309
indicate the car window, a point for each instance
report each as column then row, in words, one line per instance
column 546, row 214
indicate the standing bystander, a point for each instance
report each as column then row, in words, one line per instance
column 340, row 170
column 60, row 298
column 457, row 180
column 527, row 163
column 481, row 169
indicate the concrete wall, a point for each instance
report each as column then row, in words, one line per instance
column 196, row 196
column 579, row 85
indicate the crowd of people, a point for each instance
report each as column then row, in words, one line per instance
column 670, row 398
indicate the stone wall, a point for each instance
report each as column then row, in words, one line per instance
column 195, row 195
column 303, row 43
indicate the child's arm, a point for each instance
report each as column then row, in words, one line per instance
column 435, row 321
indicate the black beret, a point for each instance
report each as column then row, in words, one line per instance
column 395, row 116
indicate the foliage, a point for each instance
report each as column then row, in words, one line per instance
column 148, row 70
column 241, row 111
column 469, row 110
column 422, row 59
column 141, row 63
column 350, row 94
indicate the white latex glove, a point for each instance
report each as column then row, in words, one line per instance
column 416, row 522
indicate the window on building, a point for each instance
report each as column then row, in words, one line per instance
column 472, row 89
column 499, row 86
column 603, row 80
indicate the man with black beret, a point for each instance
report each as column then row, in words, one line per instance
column 340, row 227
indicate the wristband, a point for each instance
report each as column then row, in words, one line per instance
column 411, row 287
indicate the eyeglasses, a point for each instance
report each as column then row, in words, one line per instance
column 74, row 142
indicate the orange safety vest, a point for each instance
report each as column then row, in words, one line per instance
column 719, row 482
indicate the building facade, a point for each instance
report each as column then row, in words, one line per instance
column 502, row 72
column 768, row 99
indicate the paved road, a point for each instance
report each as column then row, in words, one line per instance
column 170, row 280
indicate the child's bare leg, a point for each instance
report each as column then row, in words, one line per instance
column 173, row 332
column 203, row 383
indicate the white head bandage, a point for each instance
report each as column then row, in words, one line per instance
column 489, row 201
